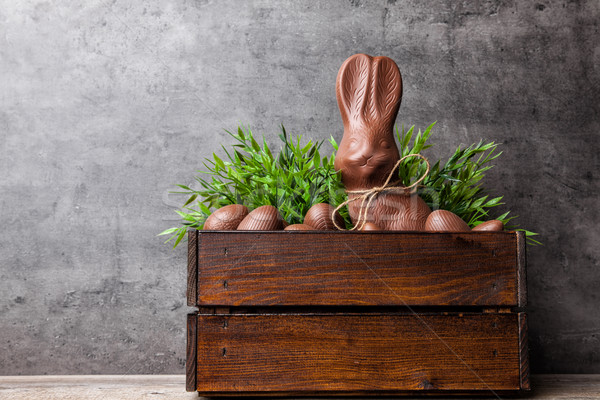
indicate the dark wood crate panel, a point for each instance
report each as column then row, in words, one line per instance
column 369, row 354
column 356, row 268
column 350, row 314
column 191, row 353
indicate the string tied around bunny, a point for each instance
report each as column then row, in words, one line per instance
column 368, row 195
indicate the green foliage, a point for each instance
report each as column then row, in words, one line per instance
column 455, row 185
column 294, row 180
column 298, row 177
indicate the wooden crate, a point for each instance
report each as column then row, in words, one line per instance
column 344, row 313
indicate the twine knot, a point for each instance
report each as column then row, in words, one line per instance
column 369, row 195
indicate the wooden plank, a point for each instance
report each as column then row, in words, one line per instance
column 350, row 268
column 524, row 352
column 565, row 387
column 191, row 353
column 94, row 387
column 167, row 387
column 521, row 269
column 192, row 267
column 357, row 354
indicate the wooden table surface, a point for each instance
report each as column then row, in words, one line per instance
column 133, row 387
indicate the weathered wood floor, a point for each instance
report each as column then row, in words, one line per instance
column 134, row 387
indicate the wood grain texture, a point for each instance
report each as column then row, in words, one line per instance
column 357, row 268
column 522, row 269
column 344, row 353
column 191, row 353
column 192, row 268
column 524, row 352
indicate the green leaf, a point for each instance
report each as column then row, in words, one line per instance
column 255, row 145
column 168, row 231
column 204, row 209
column 334, row 144
column 179, row 237
column 194, row 197
column 241, row 133
column 218, row 162
column 494, row 202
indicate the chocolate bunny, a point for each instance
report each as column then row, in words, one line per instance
column 369, row 91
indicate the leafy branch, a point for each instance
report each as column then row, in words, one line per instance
column 298, row 177
column 293, row 181
column 456, row 185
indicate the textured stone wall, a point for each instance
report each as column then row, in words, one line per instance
column 104, row 106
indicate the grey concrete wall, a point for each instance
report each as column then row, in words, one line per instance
column 104, row 106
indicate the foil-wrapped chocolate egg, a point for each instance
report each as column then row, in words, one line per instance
column 490, row 226
column 445, row 221
column 370, row 226
column 226, row 218
column 319, row 217
column 299, row 227
column 263, row 218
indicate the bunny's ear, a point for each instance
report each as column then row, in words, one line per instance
column 369, row 90
column 386, row 91
column 352, row 87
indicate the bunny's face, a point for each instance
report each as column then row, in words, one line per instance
column 365, row 160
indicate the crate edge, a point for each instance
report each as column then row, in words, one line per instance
column 191, row 353
column 192, row 268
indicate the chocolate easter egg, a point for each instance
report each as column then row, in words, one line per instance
column 492, row 226
column 319, row 217
column 299, row 227
column 263, row 218
column 369, row 226
column 445, row 221
column 226, row 218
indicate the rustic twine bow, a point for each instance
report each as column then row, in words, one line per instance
column 369, row 195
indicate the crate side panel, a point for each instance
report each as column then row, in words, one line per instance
column 353, row 353
column 300, row 268
column 524, row 352
column 521, row 269
column 191, row 353
column 192, row 268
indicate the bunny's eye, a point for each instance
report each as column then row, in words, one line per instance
column 385, row 144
